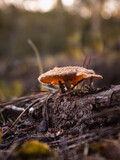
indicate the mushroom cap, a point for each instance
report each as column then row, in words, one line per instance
column 69, row 73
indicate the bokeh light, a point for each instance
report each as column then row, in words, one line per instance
column 68, row 2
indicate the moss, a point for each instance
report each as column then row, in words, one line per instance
column 107, row 149
column 98, row 148
column 35, row 149
column 14, row 90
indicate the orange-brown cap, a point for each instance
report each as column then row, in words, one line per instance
column 69, row 73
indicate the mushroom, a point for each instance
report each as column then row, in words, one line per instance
column 67, row 75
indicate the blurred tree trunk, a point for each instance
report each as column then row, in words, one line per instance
column 96, row 17
column 14, row 31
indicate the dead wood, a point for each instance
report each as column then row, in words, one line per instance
column 69, row 122
column 77, row 114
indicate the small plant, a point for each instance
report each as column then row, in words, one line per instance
column 38, row 58
column 2, row 117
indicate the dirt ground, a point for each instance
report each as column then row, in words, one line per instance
column 79, row 124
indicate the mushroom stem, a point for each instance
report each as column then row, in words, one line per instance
column 90, row 83
column 68, row 85
column 61, row 87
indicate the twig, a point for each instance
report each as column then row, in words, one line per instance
column 22, row 99
column 63, row 148
column 34, row 102
column 45, row 111
column 49, row 88
column 77, row 83
column 84, row 61
column 88, row 62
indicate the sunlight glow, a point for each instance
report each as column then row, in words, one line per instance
column 110, row 9
column 17, row 3
column 1, row 4
column 33, row 5
column 30, row 5
column 85, row 12
column 46, row 5
column 68, row 2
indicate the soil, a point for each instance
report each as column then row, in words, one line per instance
column 79, row 124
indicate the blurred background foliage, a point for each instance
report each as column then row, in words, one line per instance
column 63, row 35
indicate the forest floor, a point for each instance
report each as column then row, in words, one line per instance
column 79, row 124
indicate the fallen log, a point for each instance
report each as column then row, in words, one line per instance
column 78, row 113
column 74, row 121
